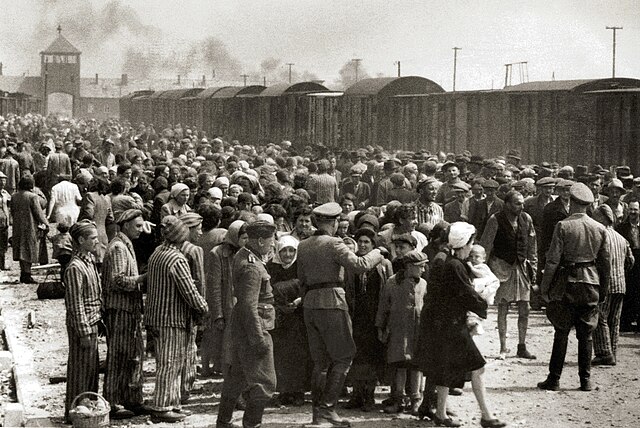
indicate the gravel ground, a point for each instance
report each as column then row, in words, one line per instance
column 511, row 384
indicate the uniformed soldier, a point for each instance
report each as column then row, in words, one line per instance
column 321, row 259
column 252, row 368
column 576, row 277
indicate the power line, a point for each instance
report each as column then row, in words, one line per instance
column 613, row 71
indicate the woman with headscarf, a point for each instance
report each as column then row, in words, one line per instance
column 177, row 205
column 448, row 353
column 290, row 349
column 219, row 294
column 363, row 294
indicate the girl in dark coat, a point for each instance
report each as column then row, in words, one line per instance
column 448, row 351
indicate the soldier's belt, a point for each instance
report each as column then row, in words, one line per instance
column 321, row 285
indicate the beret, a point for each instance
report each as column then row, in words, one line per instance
column 191, row 219
column 414, row 257
column 490, row 184
column 329, row 210
column 127, row 215
column 407, row 238
column 581, row 194
column 546, row 181
column 461, row 186
column 261, row 229
column 368, row 218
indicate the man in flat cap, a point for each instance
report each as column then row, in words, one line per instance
column 446, row 192
column 357, row 187
column 252, row 368
column 122, row 308
column 615, row 191
column 172, row 301
column 553, row 212
column 481, row 210
column 576, row 278
column 453, row 210
column 321, row 262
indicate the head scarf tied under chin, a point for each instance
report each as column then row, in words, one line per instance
column 286, row 241
column 233, row 233
column 178, row 188
column 460, row 233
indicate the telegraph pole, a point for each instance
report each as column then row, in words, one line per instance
column 455, row 65
column 290, row 64
column 357, row 61
column 244, row 76
column 613, row 73
column 398, row 64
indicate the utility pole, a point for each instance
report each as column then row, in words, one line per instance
column 264, row 80
column 357, row 61
column 613, row 73
column 244, row 76
column 290, row 64
column 455, row 65
column 398, row 64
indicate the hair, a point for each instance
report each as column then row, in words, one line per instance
column 479, row 249
column 118, row 186
column 403, row 212
column 347, row 197
column 276, row 211
column 369, row 233
column 511, row 195
column 302, row 211
column 211, row 216
column 99, row 185
column 26, row 183
column 123, row 167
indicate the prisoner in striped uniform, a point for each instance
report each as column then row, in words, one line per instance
column 605, row 336
column 195, row 257
column 173, row 301
column 82, row 303
column 252, row 367
column 123, row 317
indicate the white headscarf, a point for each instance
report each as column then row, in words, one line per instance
column 285, row 241
column 460, row 233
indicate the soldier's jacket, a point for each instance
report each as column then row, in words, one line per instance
column 253, row 313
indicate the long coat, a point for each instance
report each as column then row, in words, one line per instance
column 446, row 349
column 27, row 214
column 399, row 316
column 97, row 207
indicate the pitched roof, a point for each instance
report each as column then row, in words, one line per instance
column 30, row 85
column 61, row 46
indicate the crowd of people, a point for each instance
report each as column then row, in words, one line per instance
column 288, row 269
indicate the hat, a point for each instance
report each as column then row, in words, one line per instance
column 128, row 215
column 515, row 154
column 460, row 187
column 615, row 184
column 261, row 229
column 178, row 188
column 58, row 144
column 546, row 181
column 191, row 219
column 358, row 169
column 562, row 183
column 265, row 217
column 215, row 193
column 476, row 159
column 490, row 184
column 330, row 210
column 623, row 171
column 527, row 172
column 426, row 182
column 407, row 238
column 174, row 230
column 598, row 169
column 460, row 233
column 445, row 166
column 581, row 194
column 390, row 165
column 414, row 257
column 368, row 218
column 79, row 228
column 108, row 141
column 518, row 184
column 606, row 211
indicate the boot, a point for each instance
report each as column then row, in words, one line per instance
column 225, row 412
column 558, row 354
column 523, row 353
column 319, row 381
column 585, row 350
column 415, row 406
column 357, row 397
column 327, row 411
column 397, row 406
column 369, row 399
column 253, row 414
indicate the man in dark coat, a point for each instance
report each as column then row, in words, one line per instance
column 481, row 210
column 630, row 230
column 554, row 212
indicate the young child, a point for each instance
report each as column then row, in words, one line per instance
column 62, row 246
column 484, row 282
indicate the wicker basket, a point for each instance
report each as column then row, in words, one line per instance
column 99, row 420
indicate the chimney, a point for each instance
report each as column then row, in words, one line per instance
column 178, row 79
column 0, row 69
column 204, row 78
column 124, row 81
column 96, row 78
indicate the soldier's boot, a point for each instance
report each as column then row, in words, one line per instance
column 327, row 411
column 3, row 265
column 585, row 350
column 253, row 414
column 319, row 383
column 556, row 363
column 225, row 413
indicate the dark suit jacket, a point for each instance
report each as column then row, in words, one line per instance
column 479, row 213
column 553, row 212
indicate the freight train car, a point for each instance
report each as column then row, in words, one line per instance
column 170, row 105
column 223, row 115
column 129, row 109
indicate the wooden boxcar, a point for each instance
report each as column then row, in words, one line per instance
column 324, row 119
column 223, row 115
column 171, row 107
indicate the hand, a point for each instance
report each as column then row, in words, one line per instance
column 219, row 324
column 85, row 342
column 535, row 288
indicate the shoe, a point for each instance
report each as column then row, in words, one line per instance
column 604, row 360
column 585, row 385
column 119, row 412
column 298, row 399
column 549, row 385
column 168, row 416
column 138, row 410
column 353, row 403
column 27, row 279
column 523, row 353
column 183, row 412
column 492, row 423
column 368, row 407
column 328, row 414
column 395, row 407
column 414, row 407
column 455, row 391
column 446, row 422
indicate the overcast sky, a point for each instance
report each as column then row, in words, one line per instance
column 320, row 37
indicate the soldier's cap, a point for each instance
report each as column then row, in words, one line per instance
column 191, row 219
column 414, row 257
column 261, row 229
column 2, row 175
column 562, row 183
column 490, row 184
column 461, row 187
column 615, row 184
column 406, row 238
column 329, row 211
column 546, row 181
column 581, row 194
column 445, row 166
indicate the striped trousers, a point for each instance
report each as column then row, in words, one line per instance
column 82, row 367
column 171, row 346
column 125, row 350
column 605, row 337
column 189, row 372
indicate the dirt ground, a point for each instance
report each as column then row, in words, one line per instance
column 511, row 384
